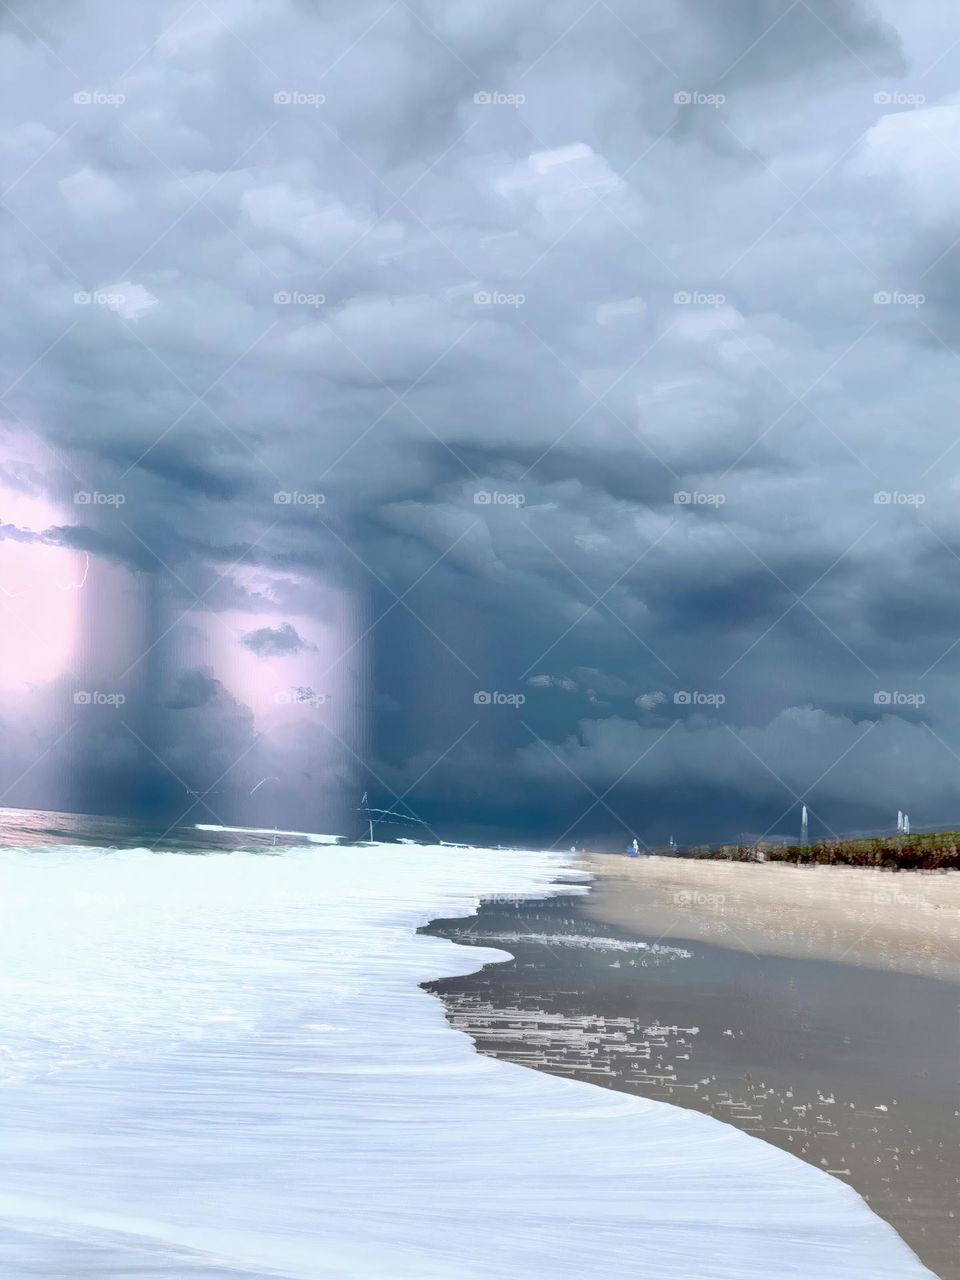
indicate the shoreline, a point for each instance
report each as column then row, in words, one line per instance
column 904, row 921
column 850, row 1067
column 296, row 1103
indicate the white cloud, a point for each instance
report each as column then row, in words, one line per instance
column 914, row 156
column 128, row 299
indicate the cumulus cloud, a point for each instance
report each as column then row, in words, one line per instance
column 273, row 642
column 193, row 689
column 553, row 682
column 648, row 701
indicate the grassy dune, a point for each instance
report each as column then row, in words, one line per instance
column 931, row 851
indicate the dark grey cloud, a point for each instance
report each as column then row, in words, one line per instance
column 547, row 350
column 194, row 689
column 272, row 642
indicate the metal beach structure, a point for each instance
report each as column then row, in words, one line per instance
column 378, row 816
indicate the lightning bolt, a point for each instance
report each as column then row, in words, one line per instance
column 75, row 586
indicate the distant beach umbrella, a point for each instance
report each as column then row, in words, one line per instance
column 804, row 826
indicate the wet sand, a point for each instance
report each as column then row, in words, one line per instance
column 850, row 1066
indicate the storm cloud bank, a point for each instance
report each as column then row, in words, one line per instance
column 562, row 395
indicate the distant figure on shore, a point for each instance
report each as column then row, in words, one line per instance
column 633, row 848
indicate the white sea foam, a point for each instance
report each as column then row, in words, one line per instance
column 583, row 941
column 223, row 1066
column 269, row 831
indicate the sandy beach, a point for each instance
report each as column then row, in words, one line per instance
column 815, row 1009
column 908, row 922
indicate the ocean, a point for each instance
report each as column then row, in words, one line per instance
column 217, row 1060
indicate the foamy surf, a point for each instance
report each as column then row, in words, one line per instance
column 223, row 1066
column 581, row 941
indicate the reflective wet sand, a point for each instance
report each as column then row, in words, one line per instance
column 854, row 1068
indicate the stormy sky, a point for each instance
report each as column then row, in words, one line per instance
column 541, row 416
